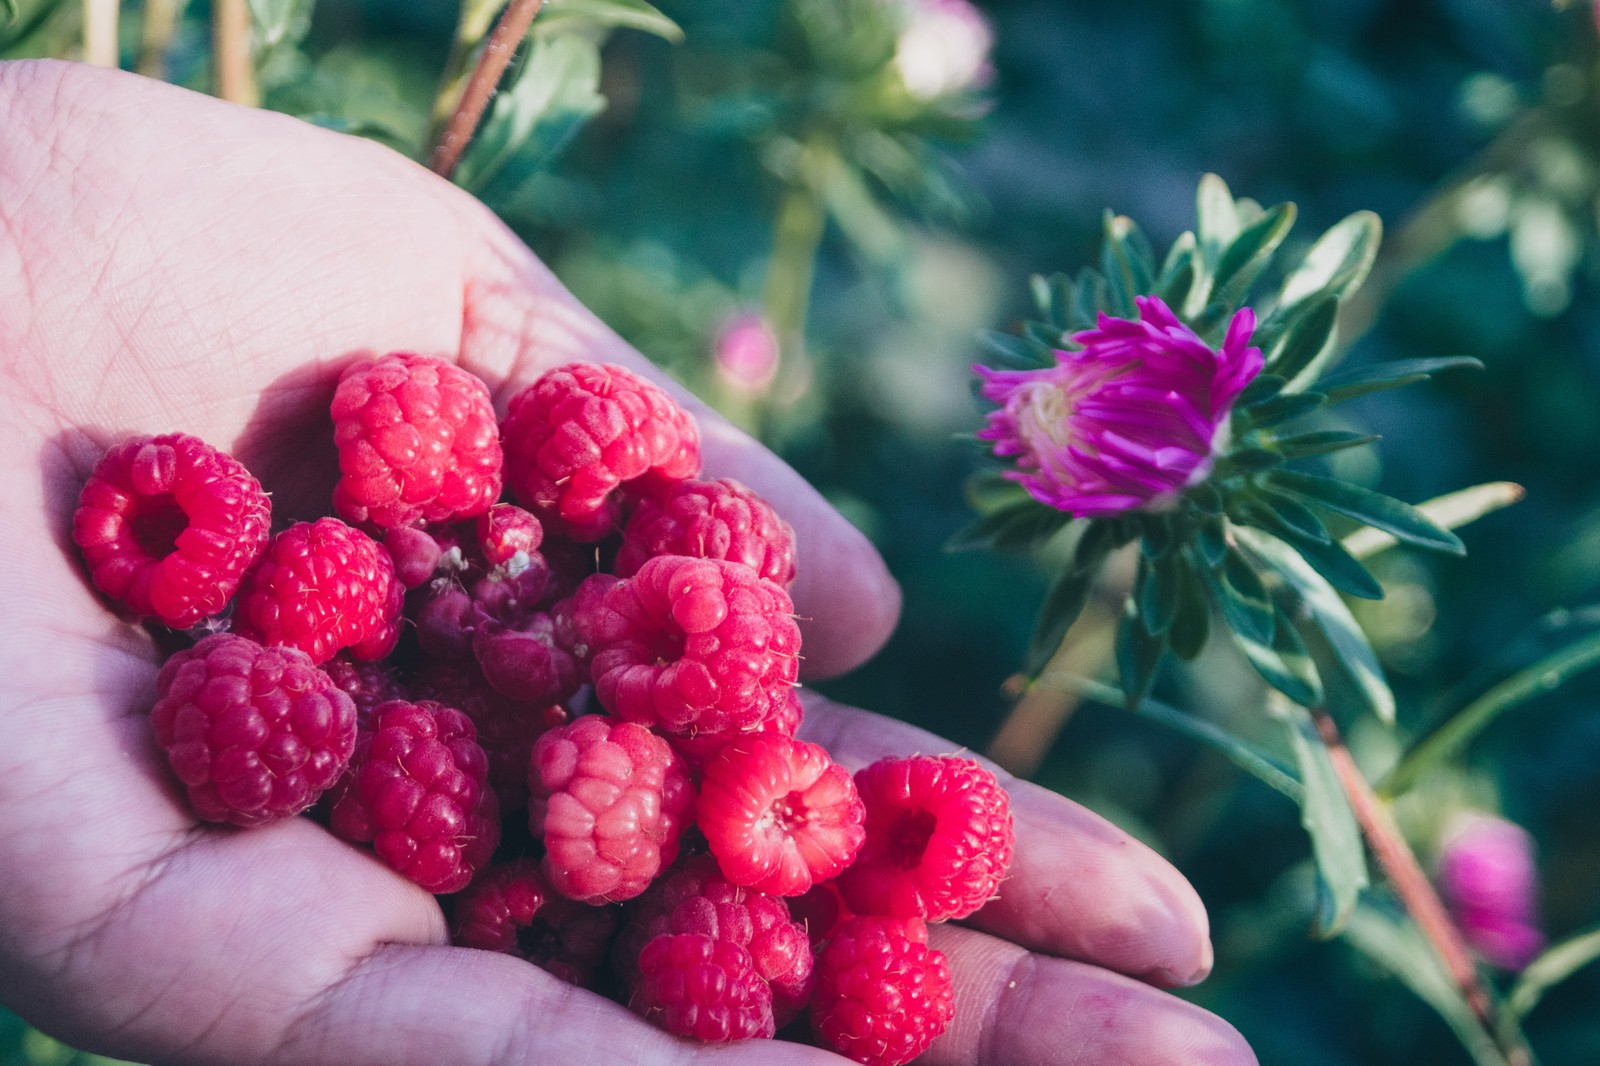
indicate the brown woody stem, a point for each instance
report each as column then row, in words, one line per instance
column 508, row 33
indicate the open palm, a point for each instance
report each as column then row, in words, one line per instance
column 168, row 263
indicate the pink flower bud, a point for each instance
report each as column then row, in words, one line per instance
column 1490, row 883
column 1126, row 422
column 747, row 354
column 944, row 48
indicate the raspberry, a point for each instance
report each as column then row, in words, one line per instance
column 694, row 897
column 693, row 646
column 368, row 684
column 322, row 586
column 168, row 526
column 255, row 734
column 417, row 790
column 515, row 643
column 820, row 911
column 579, row 432
column 506, row 728
column 610, row 799
column 505, row 532
column 702, row 987
column 700, row 747
column 882, row 994
column 417, row 554
column 509, row 908
column 939, row 839
column 709, row 520
column 778, row 814
column 417, row 442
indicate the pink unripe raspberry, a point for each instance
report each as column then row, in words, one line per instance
column 702, row 987
column 417, row 442
column 693, row 646
column 255, row 734
column 168, row 526
column 610, row 800
column 938, row 843
column 882, row 994
column 778, row 813
column 418, row 792
column 582, row 431
column 322, row 586
column 719, row 519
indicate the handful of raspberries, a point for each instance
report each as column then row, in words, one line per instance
column 571, row 713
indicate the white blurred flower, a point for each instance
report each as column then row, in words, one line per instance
column 944, row 48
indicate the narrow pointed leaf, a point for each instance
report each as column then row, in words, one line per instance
column 1264, row 387
column 1014, row 353
column 1212, row 543
column 1014, row 527
column 1347, row 385
column 1284, row 663
column 1138, row 654
column 1558, row 962
column 1352, row 652
column 1321, row 442
column 1216, row 216
column 1248, row 461
column 1088, row 300
column 1178, row 272
column 1160, row 592
column 1191, row 628
column 1043, row 335
column 1053, row 297
column 1450, row 511
column 1251, row 620
column 1336, row 841
column 1280, row 513
column 1369, row 507
column 1067, row 596
column 8, row 12
column 1283, row 407
column 1305, row 337
column 1330, row 560
column 562, row 15
column 1337, row 263
column 1250, row 253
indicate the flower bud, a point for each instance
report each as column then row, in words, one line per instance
column 1490, row 883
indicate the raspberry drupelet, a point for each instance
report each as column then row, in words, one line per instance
column 692, row 646
column 882, row 993
column 719, row 519
column 417, row 441
column 610, row 800
column 580, row 432
column 418, row 792
column 255, row 734
column 778, row 813
column 938, row 840
column 168, row 526
column 321, row 587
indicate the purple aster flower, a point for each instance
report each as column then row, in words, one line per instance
column 1490, row 882
column 1126, row 422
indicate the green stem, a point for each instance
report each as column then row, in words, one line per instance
column 796, row 239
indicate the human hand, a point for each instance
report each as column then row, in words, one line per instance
column 169, row 263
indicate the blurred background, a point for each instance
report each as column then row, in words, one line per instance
column 808, row 209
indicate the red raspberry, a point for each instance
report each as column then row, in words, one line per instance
column 322, row 586
column 510, row 908
column 368, row 684
column 693, row 646
column 505, row 531
column 168, row 525
column 779, row 814
column 882, row 994
column 694, row 897
column 702, row 987
column 820, row 911
column 255, row 734
column 610, row 800
column 939, row 839
column 418, row 791
column 417, row 442
column 700, row 747
column 709, row 520
column 579, row 432
column 506, row 727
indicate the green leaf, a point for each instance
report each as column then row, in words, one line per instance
column 1249, row 254
column 1371, row 508
column 1126, row 262
column 1089, row 298
column 1248, row 461
column 1328, row 558
column 1013, row 352
column 1457, row 730
column 278, row 21
column 1309, row 333
column 1285, row 515
column 9, row 9
column 1243, row 754
column 1450, row 511
column 1192, row 626
column 1336, row 264
column 1283, row 662
column 1351, row 650
column 1348, row 384
column 1283, row 408
column 1264, row 387
column 1053, row 297
column 1557, row 963
column 1321, row 442
column 1216, row 215
column 563, row 15
column 556, row 91
column 1336, row 841
column 1212, row 543
column 1179, row 272
column 1139, row 654
column 1067, row 596
column 1025, row 524
column 1394, row 943
column 1160, row 589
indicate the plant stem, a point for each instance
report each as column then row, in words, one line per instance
column 230, row 47
column 1411, row 884
column 100, row 33
column 508, row 33
column 155, row 39
column 477, row 18
column 796, row 239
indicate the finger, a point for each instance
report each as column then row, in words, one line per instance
column 424, row 1006
column 520, row 320
column 1078, row 887
column 1028, row 1010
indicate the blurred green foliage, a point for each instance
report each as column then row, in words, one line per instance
column 765, row 164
